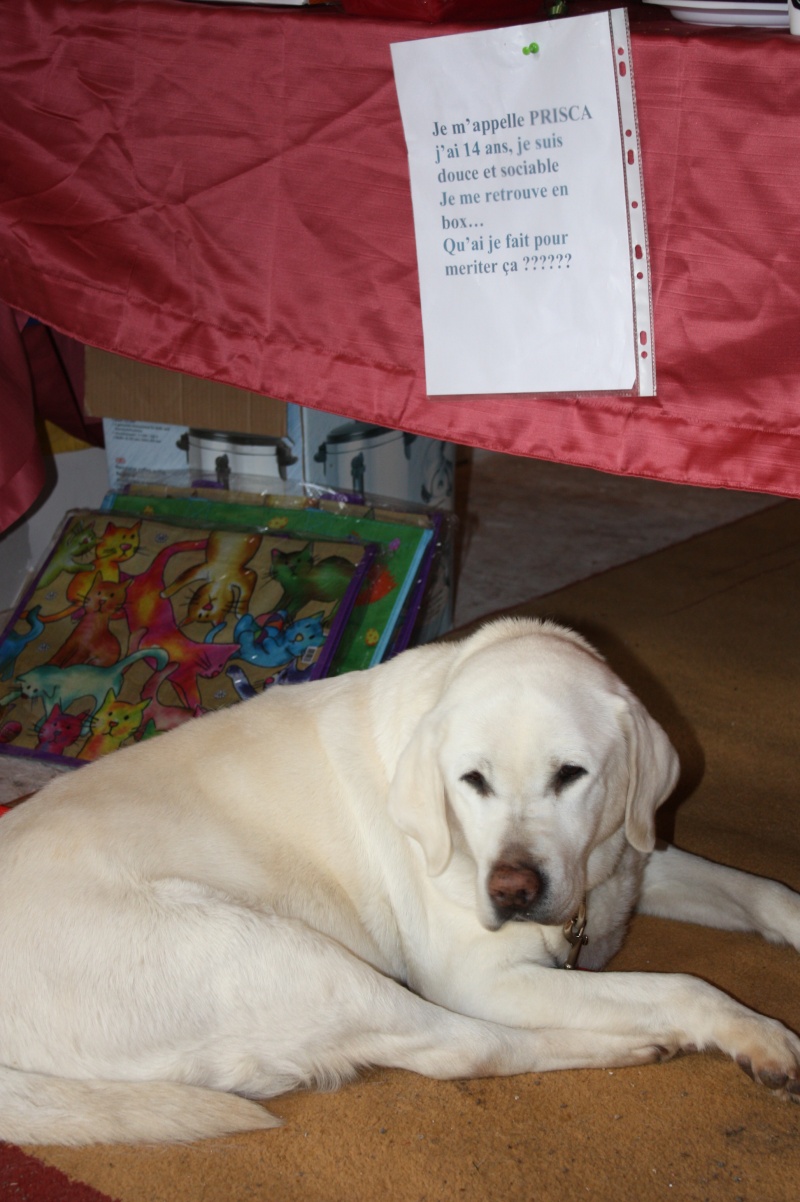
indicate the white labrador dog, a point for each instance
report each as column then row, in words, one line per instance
column 371, row 870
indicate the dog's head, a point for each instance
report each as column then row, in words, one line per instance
column 538, row 764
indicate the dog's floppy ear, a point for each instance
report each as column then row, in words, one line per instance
column 652, row 772
column 417, row 796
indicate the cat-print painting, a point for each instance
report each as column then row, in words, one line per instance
column 60, row 729
column 133, row 624
column 93, row 641
column 305, row 576
column 113, row 724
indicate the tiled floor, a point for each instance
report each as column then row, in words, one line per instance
column 526, row 528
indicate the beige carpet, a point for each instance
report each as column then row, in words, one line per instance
column 707, row 633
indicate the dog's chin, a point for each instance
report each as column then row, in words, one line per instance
column 493, row 918
column 491, row 922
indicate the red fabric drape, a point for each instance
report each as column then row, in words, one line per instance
column 21, row 465
column 41, row 378
column 224, row 191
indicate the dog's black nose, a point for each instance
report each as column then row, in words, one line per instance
column 513, row 888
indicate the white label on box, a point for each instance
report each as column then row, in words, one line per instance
column 133, row 448
column 528, row 208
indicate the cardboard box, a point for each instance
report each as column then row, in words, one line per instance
column 164, row 422
column 191, row 458
column 131, row 391
column 157, row 420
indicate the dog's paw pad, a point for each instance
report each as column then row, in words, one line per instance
column 782, row 1083
column 773, row 1080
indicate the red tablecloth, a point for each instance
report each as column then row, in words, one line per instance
column 224, row 191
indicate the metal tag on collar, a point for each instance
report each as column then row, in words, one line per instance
column 575, row 933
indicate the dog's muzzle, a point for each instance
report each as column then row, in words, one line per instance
column 514, row 887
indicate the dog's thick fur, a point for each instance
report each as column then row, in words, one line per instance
column 371, row 870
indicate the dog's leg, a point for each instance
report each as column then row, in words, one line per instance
column 301, row 1010
column 294, row 1008
column 368, row 1019
column 681, row 886
column 670, row 1011
column 374, row 1021
column 202, row 990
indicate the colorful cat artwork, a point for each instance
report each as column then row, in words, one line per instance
column 64, row 686
column 158, row 717
column 222, row 584
column 112, row 724
column 70, row 554
column 290, row 673
column 92, row 641
column 305, row 579
column 240, row 681
column 115, row 546
column 14, row 642
column 152, row 624
column 276, row 643
column 60, row 730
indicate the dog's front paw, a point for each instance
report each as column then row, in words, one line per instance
column 786, row 1085
column 770, row 1055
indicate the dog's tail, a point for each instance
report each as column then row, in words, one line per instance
column 38, row 1109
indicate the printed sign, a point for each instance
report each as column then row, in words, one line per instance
column 529, row 208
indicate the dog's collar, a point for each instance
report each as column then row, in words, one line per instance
column 575, row 933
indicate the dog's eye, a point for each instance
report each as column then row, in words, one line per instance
column 478, row 782
column 565, row 774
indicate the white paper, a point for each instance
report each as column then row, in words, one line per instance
column 528, row 208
